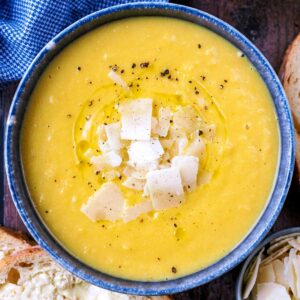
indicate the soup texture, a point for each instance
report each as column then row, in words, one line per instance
column 177, row 64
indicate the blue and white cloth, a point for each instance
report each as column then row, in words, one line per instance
column 27, row 25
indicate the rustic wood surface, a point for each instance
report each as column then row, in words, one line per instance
column 271, row 26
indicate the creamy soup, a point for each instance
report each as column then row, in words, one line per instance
column 193, row 74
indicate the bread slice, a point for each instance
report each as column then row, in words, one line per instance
column 290, row 76
column 11, row 242
column 30, row 273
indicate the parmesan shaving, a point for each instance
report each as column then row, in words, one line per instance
column 196, row 148
column 117, row 79
column 165, row 188
column 113, row 132
column 136, row 119
column 145, row 154
column 272, row 291
column 188, row 168
column 107, row 160
column 135, row 184
column 164, row 117
column 105, row 204
column 185, row 118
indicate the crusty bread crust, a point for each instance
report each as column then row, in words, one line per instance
column 19, row 237
column 11, row 241
column 289, row 74
column 26, row 260
column 23, row 261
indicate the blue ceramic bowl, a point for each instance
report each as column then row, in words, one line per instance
column 294, row 231
column 14, row 168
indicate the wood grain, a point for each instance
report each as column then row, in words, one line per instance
column 271, row 26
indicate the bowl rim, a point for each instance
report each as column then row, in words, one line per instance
column 279, row 234
column 231, row 259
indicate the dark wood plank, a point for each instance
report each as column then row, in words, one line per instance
column 10, row 216
column 270, row 25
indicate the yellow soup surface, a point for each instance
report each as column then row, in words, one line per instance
column 75, row 94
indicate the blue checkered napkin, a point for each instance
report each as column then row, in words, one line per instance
column 27, row 25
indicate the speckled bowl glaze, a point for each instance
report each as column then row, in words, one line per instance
column 294, row 231
column 27, row 210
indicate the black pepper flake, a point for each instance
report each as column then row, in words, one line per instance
column 120, row 177
column 141, row 220
column 105, row 124
column 79, row 68
column 225, row 80
column 114, row 68
column 50, row 76
column 175, row 225
column 90, row 82
column 199, row 46
column 190, row 81
column 243, row 55
column 158, row 258
column 176, row 79
column 170, row 76
column 221, row 86
column 131, row 84
column 91, row 103
column 200, row 132
column 103, row 226
column 147, row 77
column 46, row 211
column 122, row 71
column 133, row 65
column 197, row 92
column 144, row 65
column 97, row 172
column 69, row 116
column 171, row 121
column 74, row 176
column 202, row 77
column 165, row 72
column 174, row 270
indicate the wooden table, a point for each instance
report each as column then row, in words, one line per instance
column 270, row 25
